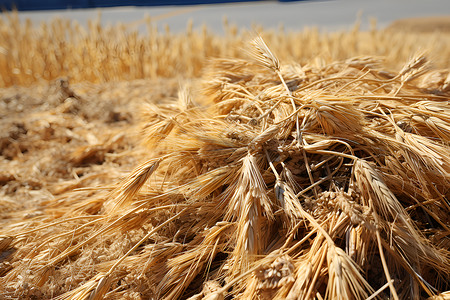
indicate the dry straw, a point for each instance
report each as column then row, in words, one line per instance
column 280, row 181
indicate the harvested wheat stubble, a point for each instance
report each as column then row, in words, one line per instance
column 57, row 137
column 276, row 181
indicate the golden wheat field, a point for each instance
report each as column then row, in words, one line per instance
column 262, row 164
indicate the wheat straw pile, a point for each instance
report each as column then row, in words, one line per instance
column 266, row 179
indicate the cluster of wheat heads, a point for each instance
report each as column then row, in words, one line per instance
column 274, row 182
column 31, row 53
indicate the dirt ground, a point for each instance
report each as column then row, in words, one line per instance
column 56, row 136
column 422, row 24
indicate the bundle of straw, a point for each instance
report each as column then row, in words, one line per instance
column 275, row 182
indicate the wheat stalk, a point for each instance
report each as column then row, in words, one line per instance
column 135, row 181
